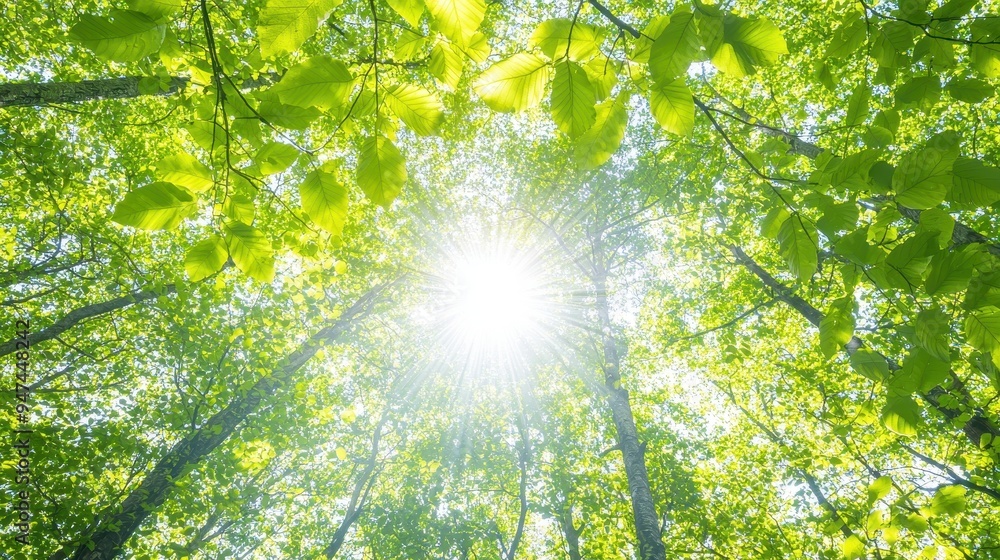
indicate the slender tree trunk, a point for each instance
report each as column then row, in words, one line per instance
column 522, row 490
column 360, row 493
column 570, row 532
column 86, row 312
column 113, row 531
column 647, row 522
column 974, row 428
column 30, row 94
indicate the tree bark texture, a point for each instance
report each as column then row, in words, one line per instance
column 83, row 313
column 647, row 523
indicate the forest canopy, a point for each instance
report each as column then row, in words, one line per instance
column 461, row 279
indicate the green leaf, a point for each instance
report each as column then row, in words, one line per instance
column 910, row 259
column 409, row 10
column 747, row 45
column 125, row 36
column 954, row 9
column 573, row 99
column 914, row 522
column 838, row 217
column 948, row 500
column 287, row 116
column 381, row 170
column 951, row 271
column 642, row 44
column 478, row 48
column 320, row 82
column 675, row 48
column 156, row 8
column 918, row 90
column 420, row 109
column 870, row 364
column 770, row 225
column 853, row 548
column 937, row 221
column 250, row 250
column 837, row 326
column 879, row 488
column 985, row 51
column 283, row 25
column 603, row 74
column 207, row 134
column 514, row 84
column 155, row 206
column 857, row 105
column 901, row 415
column 672, row 106
column 847, row 38
column 598, row 144
column 923, row 177
column 324, row 200
column 239, row 208
column 409, row 45
column 982, row 329
column 554, row 38
column 921, row 372
column 205, row 258
column 974, row 183
column 458, row 20
column 446, row 64
column 797, row 243
column 933, row 328
column 275, row 157
column 185, row 170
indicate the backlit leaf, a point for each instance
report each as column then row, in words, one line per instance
column 205, row 258
column 284, row 25
column 673, row 107
column 573, row 99
column 381, row 170
column 514, row 84
column 420, row 109
column 155, row 206
column 124, row 36
column 250, row 250
column 598, row 144
column 324, row 199
column 320, row 82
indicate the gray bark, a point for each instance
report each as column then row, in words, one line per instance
column 30, row 94
column 647, row 525
column 83, row 313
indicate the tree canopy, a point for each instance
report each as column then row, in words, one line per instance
column 500, row 280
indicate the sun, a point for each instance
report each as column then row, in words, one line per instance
column 496, row 297
column 495, row 300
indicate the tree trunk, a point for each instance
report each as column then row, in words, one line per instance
column 29, row 94
column 974, row 428
column 112, row 532
column 570, row 532
column 360, row 493
column 48, row 93
column 82, row 313
column 647, row 523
